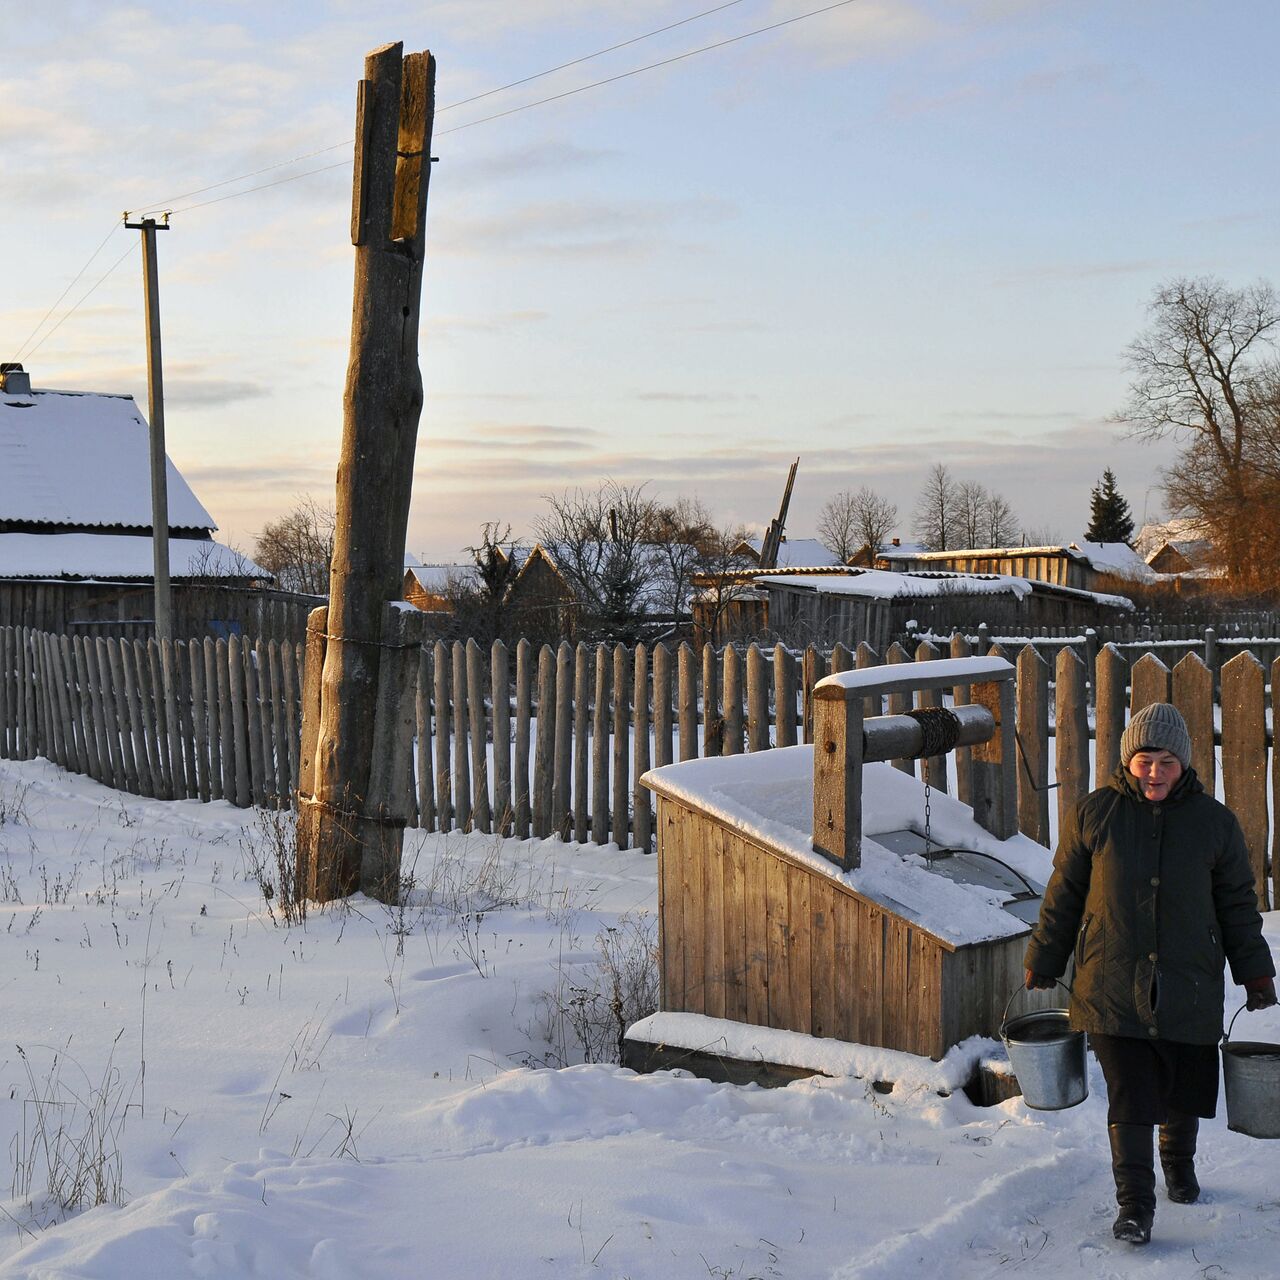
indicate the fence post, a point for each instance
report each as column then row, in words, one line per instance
column 712, row 724
column 621, row 806
column 562, row 771
column 1033, row 743
column 732, row 698
column 581, row 725
column 784, row 696
column 243, row 739
column 1071, row 734
column 810, row 668
column 642, row 815
column 481, row 815
column 461, row 750
column 1109, row 717
column 661, row 706
column 524, row 714
column 1244, row 758
column 544, row 749
column 444, row 734
column 500, row 697
column 687, row 697
column 1149, row 682
column 1193, row 696
column 600, row 751
column 229, row 749
column 425, row 732
column 757, row 699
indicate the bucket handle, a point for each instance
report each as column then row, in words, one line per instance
column 1226, row 1040
column 1004, row 1021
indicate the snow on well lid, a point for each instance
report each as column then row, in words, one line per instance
column 83, row 458
column 768, row 797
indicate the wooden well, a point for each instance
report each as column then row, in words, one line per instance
column 757, row 929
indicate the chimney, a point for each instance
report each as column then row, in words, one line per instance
column 897, row 542
column 14, row 379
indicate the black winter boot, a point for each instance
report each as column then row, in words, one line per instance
column 1133, row 1166
column 1177, row 1157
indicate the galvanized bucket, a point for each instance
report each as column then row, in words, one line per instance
column 1251, row 1074
column 1047, row 1056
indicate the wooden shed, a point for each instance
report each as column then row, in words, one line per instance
column 822, row 903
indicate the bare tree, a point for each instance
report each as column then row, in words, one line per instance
column 298, row 547
column 1203, row 372
column 850, row 521
column 679, row 534
column 937, row 510
column 597, row 539
column 972, row 501
column 1001, row 522
column 720, row 559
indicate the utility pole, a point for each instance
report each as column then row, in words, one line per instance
column 155, row 415
column 350, row 823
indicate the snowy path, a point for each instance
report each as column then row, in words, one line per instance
column 317, row 1106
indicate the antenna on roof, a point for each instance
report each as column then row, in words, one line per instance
column 773, row 535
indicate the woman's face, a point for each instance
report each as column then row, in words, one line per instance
column 1155, row 772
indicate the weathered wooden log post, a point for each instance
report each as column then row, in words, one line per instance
column 345, row 842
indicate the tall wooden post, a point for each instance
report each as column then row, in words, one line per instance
column 341, row 828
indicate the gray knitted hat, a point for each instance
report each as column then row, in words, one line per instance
column 1158, row 727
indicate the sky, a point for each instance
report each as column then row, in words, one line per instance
column 897, row 233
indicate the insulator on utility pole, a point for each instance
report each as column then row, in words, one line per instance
column 155, row 416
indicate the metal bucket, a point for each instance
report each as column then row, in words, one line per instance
column 1047, row 1056
column 1251, row 1075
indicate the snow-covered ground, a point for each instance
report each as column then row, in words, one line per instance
column 373, row 1093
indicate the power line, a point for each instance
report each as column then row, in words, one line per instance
column 665, row 62
column 622, row 44
column 84, row 298
column 555, row 97
column 488, row 93
column 18, row 355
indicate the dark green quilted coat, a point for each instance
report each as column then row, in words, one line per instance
column 1153, row 898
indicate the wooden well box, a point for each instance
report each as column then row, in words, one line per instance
column 757, row 928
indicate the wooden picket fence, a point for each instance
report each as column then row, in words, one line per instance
column 552, row 741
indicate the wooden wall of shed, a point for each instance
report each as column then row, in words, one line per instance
column 126, row 609
column 805, row 616
column 748, row 935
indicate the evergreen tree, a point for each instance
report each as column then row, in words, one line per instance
column 1109, row 517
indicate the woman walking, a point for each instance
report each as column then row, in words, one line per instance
column 1153, row 890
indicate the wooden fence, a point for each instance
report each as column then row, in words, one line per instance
column 552, row 740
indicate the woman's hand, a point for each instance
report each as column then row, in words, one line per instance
column 1262, row 993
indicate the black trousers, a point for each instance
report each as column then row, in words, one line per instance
column 1147, row 1079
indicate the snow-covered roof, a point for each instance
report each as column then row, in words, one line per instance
column 885, row 584
column 768, row 796
column 798, row 553
column 1117, row 558
column 438, row 578
column 82, row 458
column 912, row 553
column 115, row 556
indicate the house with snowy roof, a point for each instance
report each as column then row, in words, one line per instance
column 75, row 511
column 1085, row 566
column 851, row 605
